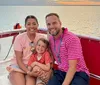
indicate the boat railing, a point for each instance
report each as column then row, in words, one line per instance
column 89, row 45
column 9, row 33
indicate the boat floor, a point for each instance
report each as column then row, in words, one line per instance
column 4, row 80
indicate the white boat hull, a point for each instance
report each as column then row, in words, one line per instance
column 4, row 80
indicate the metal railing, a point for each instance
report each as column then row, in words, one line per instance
column 94, row 76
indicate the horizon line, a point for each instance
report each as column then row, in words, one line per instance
column 78, row 3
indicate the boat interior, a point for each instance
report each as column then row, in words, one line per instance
column 91, row 52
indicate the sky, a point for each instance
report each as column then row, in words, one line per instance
column 47, row 2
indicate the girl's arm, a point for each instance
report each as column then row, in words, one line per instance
column 70, row 73
column 45, row 67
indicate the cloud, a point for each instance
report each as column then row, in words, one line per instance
column 79, row 2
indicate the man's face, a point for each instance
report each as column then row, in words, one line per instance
column 53, row 24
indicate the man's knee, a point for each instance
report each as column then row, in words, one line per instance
column 80, row 78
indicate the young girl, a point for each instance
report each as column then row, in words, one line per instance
column 40, row 59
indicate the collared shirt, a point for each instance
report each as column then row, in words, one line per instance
column 45, row 59
column 70, row 49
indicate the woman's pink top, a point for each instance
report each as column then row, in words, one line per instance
column 22, row 44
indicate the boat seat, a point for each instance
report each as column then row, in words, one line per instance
column 91, row 52
column 4, row 80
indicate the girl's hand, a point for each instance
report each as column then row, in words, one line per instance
column 33, row 73
column 44, row 75
column 34, row 64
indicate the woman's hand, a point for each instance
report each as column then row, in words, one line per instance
column 29, row 68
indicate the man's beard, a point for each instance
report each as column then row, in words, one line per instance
column 56, row 33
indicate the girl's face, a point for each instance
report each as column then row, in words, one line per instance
column 41, row 47
column 31, row 26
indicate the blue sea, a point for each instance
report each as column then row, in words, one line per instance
column 82, row 20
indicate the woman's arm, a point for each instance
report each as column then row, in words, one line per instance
column 70, row 73
column 19, row 57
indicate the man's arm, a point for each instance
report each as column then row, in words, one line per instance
column 70, row 73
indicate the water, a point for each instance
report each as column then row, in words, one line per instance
column 83, row 20
column 79, row 19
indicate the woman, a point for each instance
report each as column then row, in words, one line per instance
column 23, row 45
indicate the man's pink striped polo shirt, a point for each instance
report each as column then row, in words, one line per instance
column 70, row 49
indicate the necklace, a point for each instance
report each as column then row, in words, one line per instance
column 58, row 53
column 32, row 46
column 39, row 58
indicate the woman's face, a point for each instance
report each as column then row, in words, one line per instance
column 31, row 26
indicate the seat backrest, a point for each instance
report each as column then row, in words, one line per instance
column 91, row 52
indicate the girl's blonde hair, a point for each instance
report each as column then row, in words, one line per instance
column 43, row 40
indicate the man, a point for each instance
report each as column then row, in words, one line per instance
column 67, row 52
